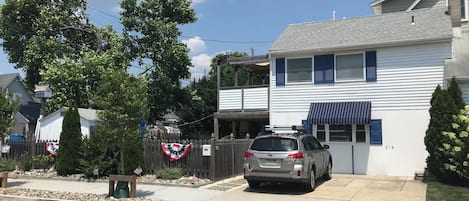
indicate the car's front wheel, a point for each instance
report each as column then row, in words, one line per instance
column 312, row 181
column 253, row 184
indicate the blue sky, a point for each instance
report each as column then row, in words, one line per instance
column 232, row 25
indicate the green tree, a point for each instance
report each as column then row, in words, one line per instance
column 151, row 33
column 441, row 116
column 122, row 98
column 37, row 32
column 78, row 79
column 70, row 152
column 455, row 150
column 456, row 94
column 8, row 109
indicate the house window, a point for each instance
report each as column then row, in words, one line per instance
column 340, row 133
column 299, row 70
column 17, row 96
column 356, row 133
column 321, row 132
column 349, row 67
column 360, row 133
column 464, row 9
column 92, row 131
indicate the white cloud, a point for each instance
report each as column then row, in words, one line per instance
column 201, row 67
column 196, row 44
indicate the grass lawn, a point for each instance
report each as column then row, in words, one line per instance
column 442, row 192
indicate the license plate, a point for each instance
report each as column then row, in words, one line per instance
column 271, row 163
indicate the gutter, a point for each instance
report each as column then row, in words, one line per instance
column 365, row 46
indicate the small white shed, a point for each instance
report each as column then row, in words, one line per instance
column 51, row 125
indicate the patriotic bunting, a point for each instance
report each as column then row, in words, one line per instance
column 175, row 151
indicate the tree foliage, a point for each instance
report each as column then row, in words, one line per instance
column 123, row 100
column 455, row 92
column 77, row 79
column 8, row 109
column 455, row 150
column 70, row 152
column 37, row 32
column 151, row 33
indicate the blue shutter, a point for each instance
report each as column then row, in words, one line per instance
column 280, row 71
column 324, row 69
column 371, row 66
column 308, row 127
column 376, row 132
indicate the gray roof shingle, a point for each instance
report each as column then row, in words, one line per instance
column 6, row 79
column 366, row 32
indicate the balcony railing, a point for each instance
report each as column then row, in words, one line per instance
column 244, row 98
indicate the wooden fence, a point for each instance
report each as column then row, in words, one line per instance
column 226, row 160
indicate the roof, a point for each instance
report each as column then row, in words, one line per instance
column 375, row 2
column 88, row 114
column 389, row 29
column 258, row 64
column 6, row 79
column 31, row 111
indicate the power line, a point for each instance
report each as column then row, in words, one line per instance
column 196, row 121
column 185, row 36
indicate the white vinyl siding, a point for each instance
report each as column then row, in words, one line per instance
column 230, row 99
column 406, row 78
column 256, row 98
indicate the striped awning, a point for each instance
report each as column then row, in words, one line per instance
column 340, row 113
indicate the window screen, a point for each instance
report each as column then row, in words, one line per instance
column 299, row 70
column 349, row 67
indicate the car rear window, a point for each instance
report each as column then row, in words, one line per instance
column 274, row 144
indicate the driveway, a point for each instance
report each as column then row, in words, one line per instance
column 340, row 187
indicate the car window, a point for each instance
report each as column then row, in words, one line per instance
column 307, row 144
column 274, row 144
column 316, row 144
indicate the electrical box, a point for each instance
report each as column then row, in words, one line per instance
column 206, row 150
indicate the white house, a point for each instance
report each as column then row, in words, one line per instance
column 363, row 86
column 51, row 125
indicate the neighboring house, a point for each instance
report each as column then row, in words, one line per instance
column 363, row 86
column 26, row 118
column 51, row 125
column 244, row 106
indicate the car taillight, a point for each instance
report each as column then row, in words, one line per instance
column 248, row 155
column 298, row 155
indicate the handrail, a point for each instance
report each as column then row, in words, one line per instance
column 245, row 87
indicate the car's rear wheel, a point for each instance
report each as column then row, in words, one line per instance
column 253, row 184
column 312, row 181
column 328, row 174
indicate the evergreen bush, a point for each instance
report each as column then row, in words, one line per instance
column 169, row 173
column 441, row 116
column 69, row 154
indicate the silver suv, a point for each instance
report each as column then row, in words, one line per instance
column 286, row 157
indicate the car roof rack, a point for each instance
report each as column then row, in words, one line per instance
column 283, row 130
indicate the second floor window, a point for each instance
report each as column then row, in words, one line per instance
column 349, row 67
column 464, row 9
column 299, row 70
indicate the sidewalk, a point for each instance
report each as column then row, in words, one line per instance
column 154, row 192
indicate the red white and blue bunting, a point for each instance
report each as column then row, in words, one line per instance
column 52, row 148
column 175, row 151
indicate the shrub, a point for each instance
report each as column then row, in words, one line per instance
column 455, row 149
column 169, row 173
column 70, row 152
column 441, row 116
column 7, row 165
column 42, row 161
column 26, row 162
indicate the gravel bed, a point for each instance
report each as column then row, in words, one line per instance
column 60, row 195
column 41, row 174
column 146, row 179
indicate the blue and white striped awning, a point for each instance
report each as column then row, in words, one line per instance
column 340, row 113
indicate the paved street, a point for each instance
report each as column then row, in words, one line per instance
column 340, row 188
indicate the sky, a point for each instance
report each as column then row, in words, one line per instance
column 230, row 25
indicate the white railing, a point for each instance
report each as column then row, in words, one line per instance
column 244, row 98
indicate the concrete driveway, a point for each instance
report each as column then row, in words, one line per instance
column 340, row 187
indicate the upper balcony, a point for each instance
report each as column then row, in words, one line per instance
column 247, row 87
